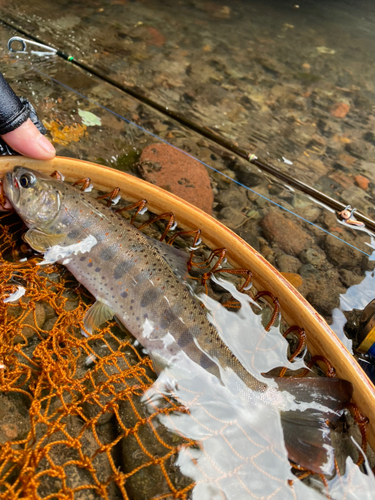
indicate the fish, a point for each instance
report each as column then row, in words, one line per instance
column 139, row 281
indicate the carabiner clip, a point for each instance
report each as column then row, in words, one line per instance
column 48, row 51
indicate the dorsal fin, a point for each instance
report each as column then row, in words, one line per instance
column 175, row 258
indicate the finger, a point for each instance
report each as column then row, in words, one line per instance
column 27, row 140
column 6, row 205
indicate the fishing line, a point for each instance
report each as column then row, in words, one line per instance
column 191, row 156
column 204, row 131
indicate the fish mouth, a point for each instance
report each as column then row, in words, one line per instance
column 11, row 187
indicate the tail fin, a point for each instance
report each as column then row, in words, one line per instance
column 306, row 433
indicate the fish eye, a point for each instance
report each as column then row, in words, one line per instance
column 27, row 180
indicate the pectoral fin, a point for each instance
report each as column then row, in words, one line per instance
column 98, row 314
column 40, row 241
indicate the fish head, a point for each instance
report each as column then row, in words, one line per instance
column 36, row 197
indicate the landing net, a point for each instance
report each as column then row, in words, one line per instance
column 72, row 421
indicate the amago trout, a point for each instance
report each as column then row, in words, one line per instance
column 135, row 279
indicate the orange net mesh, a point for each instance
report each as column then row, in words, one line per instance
column 71, row 406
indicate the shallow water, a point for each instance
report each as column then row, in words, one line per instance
column 239, row 447
column 272, row 78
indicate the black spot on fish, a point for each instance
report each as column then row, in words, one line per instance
column 82, row 258
column 122, row 269
column 97, row 269
column 149, row 297
column 109, row 252
column 89, row 264
column 124, row 294
column 73, row 234
column 185, row 338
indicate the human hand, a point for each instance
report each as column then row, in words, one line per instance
column 18, row 131
column 28, row 141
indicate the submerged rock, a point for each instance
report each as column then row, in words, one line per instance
column 314, row 256
column 288, row 263
column 341, row 254
column 29, row 323
column 14, row 417
column 147, row 453
column 178, row 173
column 70, row 467
column 287, row 235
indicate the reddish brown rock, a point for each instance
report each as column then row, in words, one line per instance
column 177, row 173
column 157, row 38
column 340, row 110
column 287, row 235
column 361, row 181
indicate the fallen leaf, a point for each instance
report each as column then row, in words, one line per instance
column 325, row 50
column 293, row 278
column 89, row 119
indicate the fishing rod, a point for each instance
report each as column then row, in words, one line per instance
column 355, row 218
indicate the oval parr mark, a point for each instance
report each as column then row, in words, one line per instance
column 109, row 252
column 206, row 362
column 122, row 268
column 150, row 296
column 167, row 318
column 185, row 338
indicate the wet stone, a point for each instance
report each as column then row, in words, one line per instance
column 341, row 254
column 104, row 383
column 348, row 278
column 232, row 217
column 288, row 263
column 49, row 324
column 233, row 198
column 324, row 300
column 77, row 476
column 14, row 417
column 248, row 178
column 313, row 256
column 310, row 212
column 29, row 322
column 309, row 271
column 287, row 235
column 149, row 481
column 14, row 426
column 49, row 311
column 174, row 171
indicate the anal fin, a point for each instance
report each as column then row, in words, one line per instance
column 98, row 314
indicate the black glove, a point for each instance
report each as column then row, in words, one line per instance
column 14, row 111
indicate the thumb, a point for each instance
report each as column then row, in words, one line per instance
column 27, row 140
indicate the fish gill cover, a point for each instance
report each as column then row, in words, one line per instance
column 87, row 417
